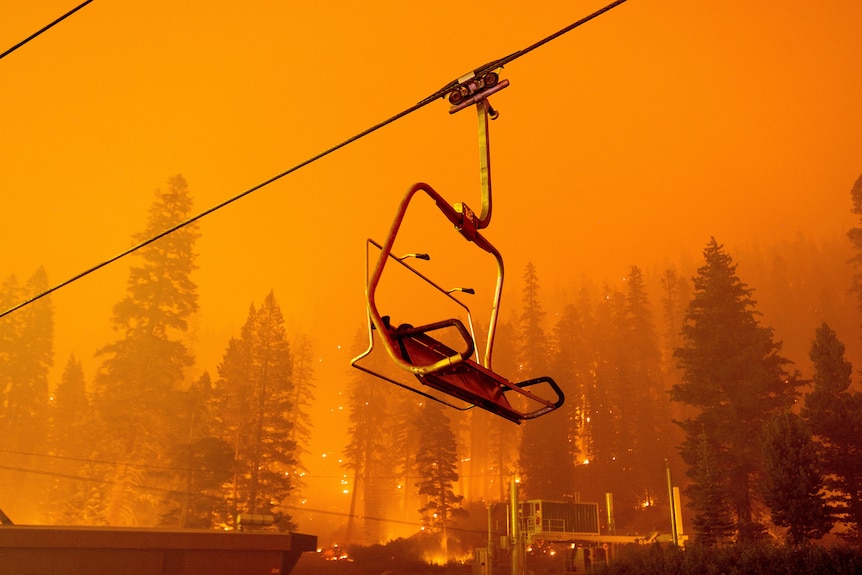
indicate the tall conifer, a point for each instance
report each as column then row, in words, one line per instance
column 855, row 235
column 834, row 412
column 138, row 382
column 437, row 465
column 793, row 478
column 546, row 460
column 369, row 453
column 734, row 377
column 26, row 356
column 255, row 390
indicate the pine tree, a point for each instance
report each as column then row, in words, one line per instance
column 368, row 453
column 137, row 386
column 545, row 459
column 205, row 461
column 68, row 443
column 405, row 437
column 303, row 397
column 834, row 413
column 792, row 478
column 68, row 406
column 604, row 470
column 78, row 496
column 255, row 390
column 643, row 404
column 437, row 464
column 733, row 376
column 10, row 327
column 855, row 235
column 708, row 493
column 26, row 356
column 233, row 403
column 570, row 368
column 533, row 354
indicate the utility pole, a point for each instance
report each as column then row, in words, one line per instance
column 515, row 522
column 674, row 529
column 490, row 540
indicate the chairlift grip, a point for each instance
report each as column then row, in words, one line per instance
column 479, row 97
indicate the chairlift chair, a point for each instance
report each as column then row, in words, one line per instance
column 457, row 374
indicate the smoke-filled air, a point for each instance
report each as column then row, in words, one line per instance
column 677, row 203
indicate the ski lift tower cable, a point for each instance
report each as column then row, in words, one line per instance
column 441, row 93
column 44, row 29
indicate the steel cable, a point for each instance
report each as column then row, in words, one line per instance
column 441, row 93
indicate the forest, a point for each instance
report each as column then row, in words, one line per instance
column 733, row 370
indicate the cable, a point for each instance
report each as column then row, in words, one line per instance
column 104, row 462
column 204, row 470
column 179, row 492
column 51, row 25
column 442, row 92
column 515, row 55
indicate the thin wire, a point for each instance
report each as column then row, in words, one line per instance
column 46, row 28
column 203, row 470
column 493, row 65
column 102, row 461
column 180, row 492
column 442, row 92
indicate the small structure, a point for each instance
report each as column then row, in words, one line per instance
column 559, row 520
column 43, row 550
column 564, row 537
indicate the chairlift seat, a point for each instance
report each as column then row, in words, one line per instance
column 432, row 362
column 466, row 380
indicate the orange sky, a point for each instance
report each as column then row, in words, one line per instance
column 628, row 141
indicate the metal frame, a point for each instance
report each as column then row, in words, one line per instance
column 458, row 361
column 443, row 368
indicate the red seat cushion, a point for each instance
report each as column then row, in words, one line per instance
column 466, row 380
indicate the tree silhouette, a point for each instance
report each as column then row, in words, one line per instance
column 533, row 354
column 201, row 463
column 368, row 454
column 643, row 402
column 604, row 470
column 255, row 391
column 69, row 404
column 570, row 367
column 834, row 413
column 709, row 492
column 546, row 455
column 406, row 442
column 136, row 388
column 855, row 235
column 792, row 478
column 303, row 397
column 68, row 443
column 437, row 464
column 26, row 356
column 735, row 379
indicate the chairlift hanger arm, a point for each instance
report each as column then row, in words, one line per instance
column 474, row 89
